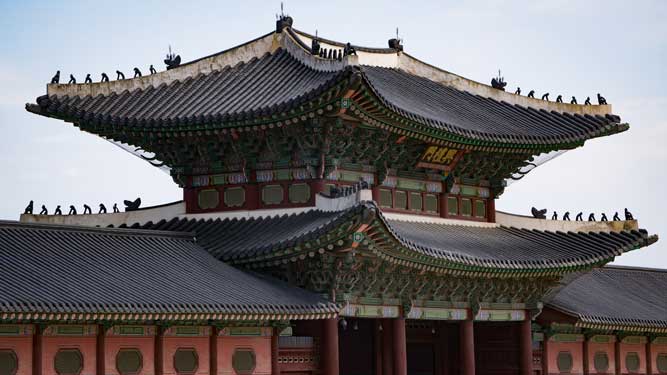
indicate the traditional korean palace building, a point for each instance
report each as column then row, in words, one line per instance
column 338, row 217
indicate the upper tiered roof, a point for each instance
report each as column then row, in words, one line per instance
column 276, row 80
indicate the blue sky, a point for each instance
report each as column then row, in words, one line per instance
column 615, row 47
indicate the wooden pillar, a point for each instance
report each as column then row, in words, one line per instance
column 37, row 342
column 213, row 351
column 330, row 347
column 158, row 350
column 377, row 346
column 585, row 359
column 101, row 332
column 649, row 360
column 526, row 345
column 545, row 355
column 275, row 370
column 467, row 347
column 400, row 347
column 617, row 356
column 387, row 348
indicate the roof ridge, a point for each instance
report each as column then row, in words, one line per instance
column 621, row 267
column 101, row 230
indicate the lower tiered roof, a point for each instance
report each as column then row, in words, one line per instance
column 57, row 272
column 616, row 298
column 442, row 245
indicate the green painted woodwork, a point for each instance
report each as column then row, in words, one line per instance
column 401, row 200
column 129, row 361
column 660, row 340
column 245, row 331
column 601, row 362
column 70, row 330
column 415, row 201
column 567, row 337
column 386, row 199
column 466, row 207
column 8, row 362
column 431, row 203
column 411, row 184
column 68, row 362
column 243, row 361
column 632, row 361
column 208, row 199
column 564, row 361
column 602, row 339
column 129, row 330
column 186, row 331
column 299, row 193
column 186, row 360
column 661, row 362
column 480, row 208
column 452, row 206
column 469, row 191
column 234, row 196
column 9, row 330
column 272, row 194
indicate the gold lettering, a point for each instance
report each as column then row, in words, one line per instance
column 428, row 154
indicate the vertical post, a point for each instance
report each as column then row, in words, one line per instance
column 275, row 370
column 617, row 356
column 545, row 355
column 467, row 347
column 377, row 346
column 213, row 351
column 649, row 360
column 37, row 342
column 101, row 360
column 400, row 347
column 158, row 350
column 330, row 346
column 387, row 349
column 585, row 358
column 526, row 345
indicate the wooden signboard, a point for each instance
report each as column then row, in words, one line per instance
column 440, row 158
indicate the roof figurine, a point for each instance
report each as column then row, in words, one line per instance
column 103, row 209
column 518, row 91
column 566, row 216
column 172, row 60
column 628, row 215
column 531, row 94
column 119, row 75
column 545, row 97
column 44, row 211
column 601, row 100
column 88, row 79
column 29, row 208
column 588, row 101
column 72, row 80
column 499, row 82
column 283, row 20
column 105, row 77
column 315, row 46
column 58, row 211
column 132, row 205
column 87, row 210
column 559, row 99
column 56, row 77
column 538, row 214
column 152, row 69
column 573, row 100
column 137, row 72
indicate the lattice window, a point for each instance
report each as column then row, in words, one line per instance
column 299, row 193
column 601, row 362
column 466, row 207
column 243, row 361
column 386, row 199
column 68, row 362
column 129, row 361
column 234, row 196
column 415, row 201
column 632, row 362
column 661, row 361
column 431, row 203
column 401, row 200
column 9, row 363
column 480, row 209
column 564, row 361
column 186, row 361
column 207, row 199
column 272, row 194
column 452, row 206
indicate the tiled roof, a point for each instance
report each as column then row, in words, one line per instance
column 490, row 248
column 47, row 269
column 275, row 83
column 272, row 83
column 476, row 117
column 617, row 297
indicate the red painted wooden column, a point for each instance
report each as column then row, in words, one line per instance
column 275, row 370
column 101, row 332
column 158, row 350
column 400, row 347
column 387, row 348
column 617, row 355
column 585, row 355
column 330, row 347
column 467, row 343
column 37, row 341
column 377, row 346
column 545, row 355
column 213, row 350
column 649, row 360
column 526, row 345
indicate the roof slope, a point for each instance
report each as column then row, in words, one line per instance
column 488, row 249
column 477, row 117
column 63, row 270
column 275, row 82
column 621, row 297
